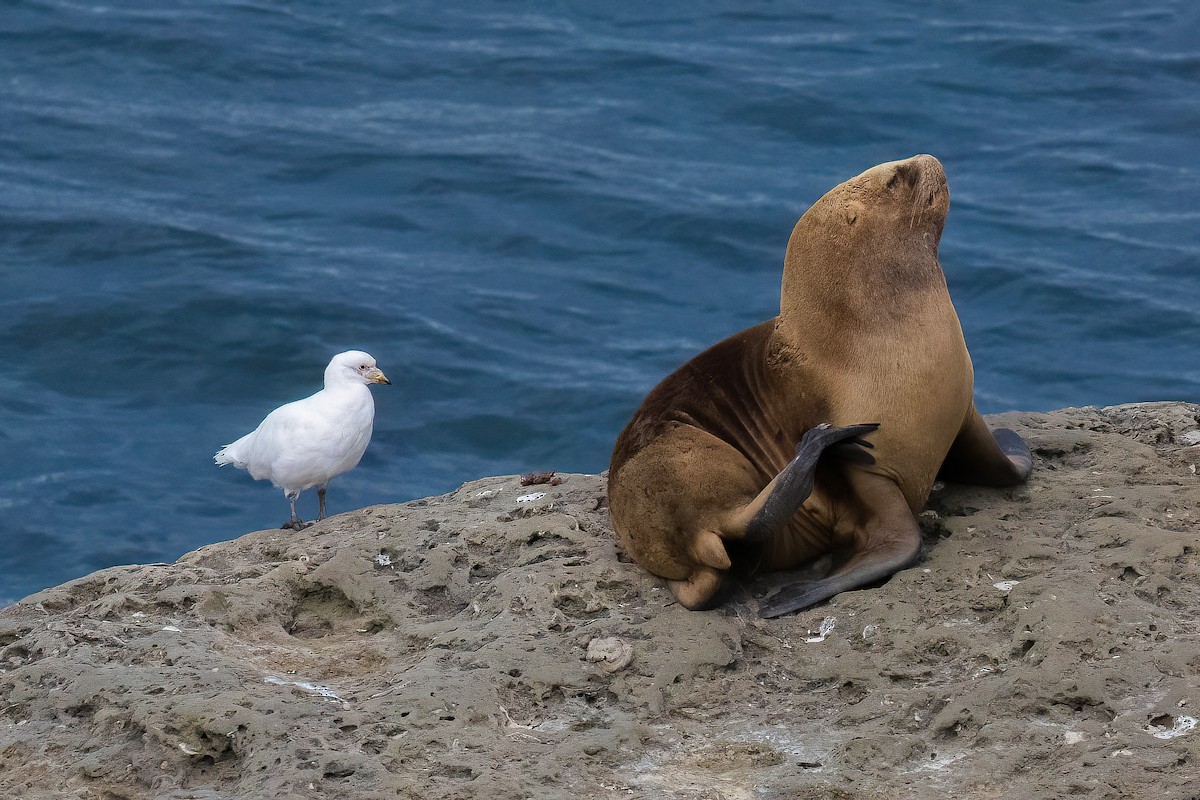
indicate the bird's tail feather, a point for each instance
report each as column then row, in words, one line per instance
column 229, row 454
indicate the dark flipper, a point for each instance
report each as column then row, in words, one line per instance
column 984, row 458
column 1017, row 451
column 794, row 483
column 885, row 543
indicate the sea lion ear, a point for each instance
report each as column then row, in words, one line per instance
column 851, row 211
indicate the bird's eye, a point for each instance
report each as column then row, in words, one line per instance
column 362, row 366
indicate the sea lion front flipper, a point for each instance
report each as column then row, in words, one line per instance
column 884, row 543
column 777, row 503
column 985, row 458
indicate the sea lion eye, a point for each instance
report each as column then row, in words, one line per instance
column 892, row 183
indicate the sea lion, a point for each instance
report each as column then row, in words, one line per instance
column 704, row 480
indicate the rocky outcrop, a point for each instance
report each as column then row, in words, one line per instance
column 494, row 643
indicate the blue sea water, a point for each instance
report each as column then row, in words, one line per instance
column 529, row 213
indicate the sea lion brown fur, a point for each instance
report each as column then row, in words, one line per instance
column 762, row 452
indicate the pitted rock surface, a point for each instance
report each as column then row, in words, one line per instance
column 488, row 643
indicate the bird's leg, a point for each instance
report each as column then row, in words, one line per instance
column 321, row 500
column 295, row 523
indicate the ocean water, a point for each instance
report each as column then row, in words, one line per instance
column 529, row 213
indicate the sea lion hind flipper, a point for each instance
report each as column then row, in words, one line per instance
column 883, row 544
column 986, row 458
column 861, row 570
column 777, row 503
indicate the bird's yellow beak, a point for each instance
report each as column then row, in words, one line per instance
column 375, row 375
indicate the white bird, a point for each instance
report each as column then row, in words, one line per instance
column 307, row 442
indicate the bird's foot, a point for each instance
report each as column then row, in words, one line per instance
column 294, row 525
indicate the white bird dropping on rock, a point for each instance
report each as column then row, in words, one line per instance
column 306, row 443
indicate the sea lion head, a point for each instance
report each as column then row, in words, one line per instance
column 895, row 198
column 868, row 239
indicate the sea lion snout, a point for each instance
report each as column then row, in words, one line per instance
column 933, row 187
column 920, row 179
column 924, row 165
column 907, row 173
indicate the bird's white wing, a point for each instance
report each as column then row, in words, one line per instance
column 305, row 443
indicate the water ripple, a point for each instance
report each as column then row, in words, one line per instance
column 529, row 217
